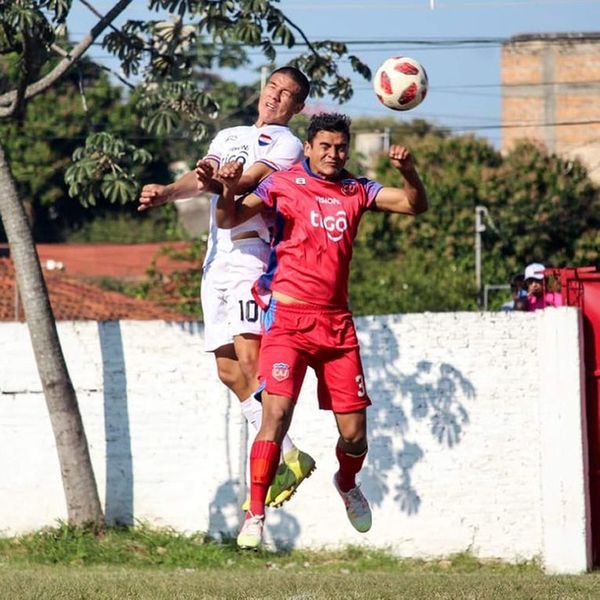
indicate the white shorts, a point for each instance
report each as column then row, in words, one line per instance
column 228, row 306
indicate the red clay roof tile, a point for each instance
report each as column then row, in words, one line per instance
column 122, row 261
column 73, row 300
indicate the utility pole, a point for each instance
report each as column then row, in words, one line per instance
column 263, row 77
column 480, row 212
column 386, row 140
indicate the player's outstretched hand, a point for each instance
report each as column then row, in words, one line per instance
column 401, row 158
column 204, row 173
column 230, row 173
column 153, row 194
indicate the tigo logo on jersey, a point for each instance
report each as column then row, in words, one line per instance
column 280, row 371
column 264, row 139
column 334, row 225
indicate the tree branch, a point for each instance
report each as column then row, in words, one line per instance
column 93, row 9
column 302, row 34
column 19, row 102
column 8, row 99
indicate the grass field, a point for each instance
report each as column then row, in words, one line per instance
column 63, row 563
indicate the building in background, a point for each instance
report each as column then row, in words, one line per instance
column 551, row 94
column 368, row 145
column 74, row 274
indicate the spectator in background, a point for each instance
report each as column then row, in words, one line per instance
column 518, row 293
column 535, row 282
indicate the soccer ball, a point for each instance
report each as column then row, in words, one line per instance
column 400, row 83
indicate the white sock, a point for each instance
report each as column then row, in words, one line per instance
column 286, row 445
column 252, row 410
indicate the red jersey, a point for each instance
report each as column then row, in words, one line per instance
column 316, row 221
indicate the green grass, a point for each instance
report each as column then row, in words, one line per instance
column 142, row 562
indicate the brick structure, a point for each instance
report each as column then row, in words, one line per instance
column 551, row 90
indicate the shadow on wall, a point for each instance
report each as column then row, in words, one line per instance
column 432, row 393
column 225, row 518
column 225, row 514
column 119, row 467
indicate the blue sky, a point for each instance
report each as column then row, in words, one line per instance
column 464, row 75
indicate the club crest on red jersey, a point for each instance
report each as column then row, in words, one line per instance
column 280, row 371
column 264, row 139
column 349, row 187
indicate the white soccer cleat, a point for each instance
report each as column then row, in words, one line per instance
column 250, row 536
column 357, row 507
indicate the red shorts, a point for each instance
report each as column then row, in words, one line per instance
column 297, row 336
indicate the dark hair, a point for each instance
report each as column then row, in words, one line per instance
column 299, row 78
column 517, row 282
column 328, row 122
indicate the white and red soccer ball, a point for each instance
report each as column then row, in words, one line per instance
column 401, row 83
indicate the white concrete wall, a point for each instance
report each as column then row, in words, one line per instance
column 476, row 436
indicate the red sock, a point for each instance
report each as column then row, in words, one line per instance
column 350, row 465
column 264, row 459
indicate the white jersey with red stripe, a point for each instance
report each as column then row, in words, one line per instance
column 275, row 146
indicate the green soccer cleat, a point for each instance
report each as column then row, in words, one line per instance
column 295, row 468
column 250, row 536
column 357, row 507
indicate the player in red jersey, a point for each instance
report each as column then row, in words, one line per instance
column 317, row 206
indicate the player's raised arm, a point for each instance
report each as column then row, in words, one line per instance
column 249, row 179
column 230, row 212
column 410, row 199
column 188, row 185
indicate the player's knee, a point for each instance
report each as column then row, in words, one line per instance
column 355, row 440
column 248, row 365
column 276, row 410
column 227, row 376
column 275, row 414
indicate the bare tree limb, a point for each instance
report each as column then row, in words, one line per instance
column 94, row 10
column 302, row 34
column 8, row 99
column 60, row 51
column 64, row 53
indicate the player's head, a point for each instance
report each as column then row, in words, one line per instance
column 282, row 97
column 327, row 144
column 517, row 286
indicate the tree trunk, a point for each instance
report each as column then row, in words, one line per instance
column 79, row 483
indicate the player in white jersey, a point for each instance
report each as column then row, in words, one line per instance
column 236, row 258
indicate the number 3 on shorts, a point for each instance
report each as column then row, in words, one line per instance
column 360, row 380
column 248, row 311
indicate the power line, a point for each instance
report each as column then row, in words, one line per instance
column 530, row 125
column 497, row 126
column 439, row 4
column 450, row 41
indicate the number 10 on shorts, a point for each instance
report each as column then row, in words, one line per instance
column 248, row 311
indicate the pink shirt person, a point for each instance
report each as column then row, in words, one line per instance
column 537, row 297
